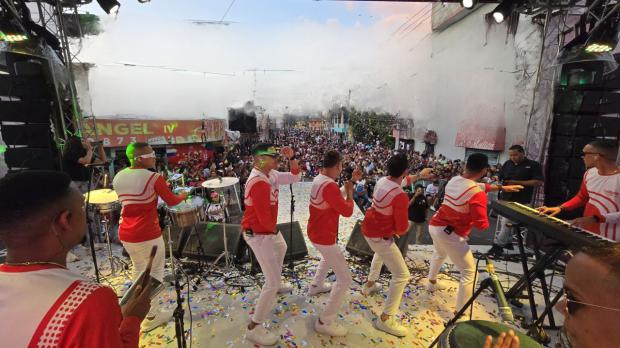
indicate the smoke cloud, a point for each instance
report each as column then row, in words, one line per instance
column 322, row 60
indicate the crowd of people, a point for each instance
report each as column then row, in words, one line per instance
column 370, row 157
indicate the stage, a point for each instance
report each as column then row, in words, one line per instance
column 220, row 314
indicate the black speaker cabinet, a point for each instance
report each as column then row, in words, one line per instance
column 210, row 237
column 300, row 250
column 358, row 246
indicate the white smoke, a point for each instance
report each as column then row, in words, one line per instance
column 327, row 60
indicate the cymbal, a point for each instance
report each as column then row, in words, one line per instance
column 220, row 182
column 101, row 196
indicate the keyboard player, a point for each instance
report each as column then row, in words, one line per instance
column 599, row 192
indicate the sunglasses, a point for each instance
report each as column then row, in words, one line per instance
column 148, row 155
column 572, row 305
column 274, row 155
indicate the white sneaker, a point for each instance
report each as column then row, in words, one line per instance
column 432, row 287
column 371, row 290
column 331, row 329
column 391, row 326
column 285, row 287
column 153, row 322
column 260, row 335
column 315, row 290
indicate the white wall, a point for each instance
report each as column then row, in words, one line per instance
column 468, row 72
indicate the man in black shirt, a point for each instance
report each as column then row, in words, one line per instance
column 518, row 170
column 417, row 212
column 77, row 155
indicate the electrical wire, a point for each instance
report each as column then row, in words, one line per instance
column 228, row 9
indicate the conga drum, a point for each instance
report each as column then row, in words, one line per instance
column 473, row 333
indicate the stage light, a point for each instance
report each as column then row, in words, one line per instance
column 111, row 7
column 604, row 37
column 10, row 37
column 469, row 4
column 503, row 10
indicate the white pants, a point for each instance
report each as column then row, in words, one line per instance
column 387, row 252
column 455, row 247
column 269, row 251
column 332, row 257
column 140, row 254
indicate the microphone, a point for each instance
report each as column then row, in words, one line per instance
column 504, row 309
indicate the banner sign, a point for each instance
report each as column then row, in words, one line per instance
column 121, row 132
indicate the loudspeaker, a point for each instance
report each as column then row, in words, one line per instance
column 211, row 237
column 239, row 120
column 358, row 246
column 30, row 158
column 299, row 243
column 29, row 95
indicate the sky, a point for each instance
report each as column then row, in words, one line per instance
column 297, row 55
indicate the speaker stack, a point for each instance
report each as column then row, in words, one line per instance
column 586, row 107
column 27, row 106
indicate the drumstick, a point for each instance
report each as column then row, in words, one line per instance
column 147, row 271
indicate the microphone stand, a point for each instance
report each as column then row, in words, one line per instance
column 178, row 311
column 90, row 227
column 291, row 264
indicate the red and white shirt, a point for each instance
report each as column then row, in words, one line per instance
column 464, row 206
column 137, row 190
column 46, row 306
column 326, row 206
column 261, row 199
column 601, row 196
column 388, row 213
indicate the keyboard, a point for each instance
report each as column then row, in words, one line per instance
column 551, row 227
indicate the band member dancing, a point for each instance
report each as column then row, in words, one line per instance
column 41, row 218
column 326, row 205
column 464, row 206
column 385, row 220
column 261, row 234
column 138, row 188
column 599, row 192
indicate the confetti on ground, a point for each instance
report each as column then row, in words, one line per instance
column 220, row 313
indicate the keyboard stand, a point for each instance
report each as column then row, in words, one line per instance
column 530, row 275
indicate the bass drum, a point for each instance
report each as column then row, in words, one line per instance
column 473, row 333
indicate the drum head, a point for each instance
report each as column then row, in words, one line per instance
column 473, row 334
column 102, row 196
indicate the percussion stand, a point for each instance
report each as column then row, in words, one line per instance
column 225, row 254
column 178, row 311
column 115, row 261
column 484, row 284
